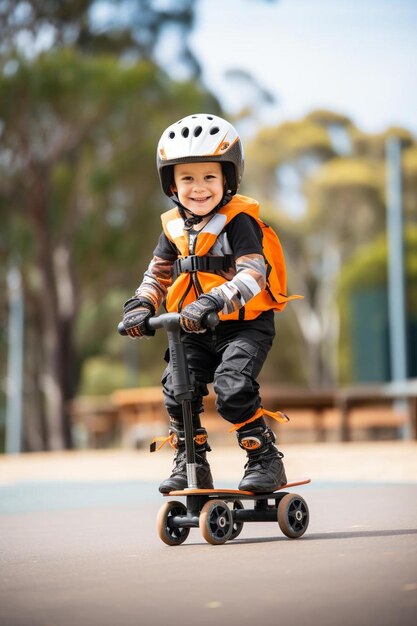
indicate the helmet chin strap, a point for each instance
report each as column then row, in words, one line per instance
column 189, row 222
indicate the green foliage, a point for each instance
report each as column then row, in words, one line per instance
column 341, row 173
column 374, row 146
column 79, row 194
column 410, row 162
column 342, row 179
column 346, row 193
column 327, row 118
column 101, row 376
column 129, row 29
column 91, row 126
column 367, row 268
column 288, row 141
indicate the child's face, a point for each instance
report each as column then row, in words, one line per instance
column 199, row 186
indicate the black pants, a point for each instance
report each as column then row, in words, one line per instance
column 231, row 357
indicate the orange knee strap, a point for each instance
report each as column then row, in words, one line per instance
column 163, row 441
column 277, row 416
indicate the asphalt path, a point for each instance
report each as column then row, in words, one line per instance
column 87, row 553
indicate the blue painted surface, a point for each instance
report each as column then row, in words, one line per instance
column 29, row 497
column 33, row 496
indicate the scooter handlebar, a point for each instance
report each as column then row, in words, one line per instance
column 171, row 321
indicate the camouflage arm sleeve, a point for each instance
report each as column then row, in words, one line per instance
column 249, row 280
column 156, row 280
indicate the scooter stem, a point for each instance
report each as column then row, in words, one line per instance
column 184, row 392
column 183, row 386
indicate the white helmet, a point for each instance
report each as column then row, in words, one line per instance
column 198, row 138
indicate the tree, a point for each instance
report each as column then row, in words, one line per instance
column 130, row 29
column 338, row 180
column 77, row 160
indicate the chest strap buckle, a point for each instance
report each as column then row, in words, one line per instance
column 194, row 263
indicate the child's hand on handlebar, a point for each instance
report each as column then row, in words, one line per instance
column 135, row 314
column 192, row 317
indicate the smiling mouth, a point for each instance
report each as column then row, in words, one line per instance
column 201, row 199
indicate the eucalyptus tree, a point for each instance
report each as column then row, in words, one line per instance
column 129, row 29
column 323, row 182
column 78, row 198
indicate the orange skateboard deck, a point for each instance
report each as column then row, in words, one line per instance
column 230, row 493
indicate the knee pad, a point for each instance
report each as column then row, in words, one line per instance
column 255, row 439
column 177, row 438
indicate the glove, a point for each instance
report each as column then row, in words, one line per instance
column 192, row 317
column 135, row 314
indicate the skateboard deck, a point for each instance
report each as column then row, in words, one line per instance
column 230, row 493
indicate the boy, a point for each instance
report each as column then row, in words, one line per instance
column 210, row 257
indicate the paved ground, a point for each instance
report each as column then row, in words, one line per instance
column 360, row 461
column 78, row 544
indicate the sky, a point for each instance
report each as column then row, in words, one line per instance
column 355, row 57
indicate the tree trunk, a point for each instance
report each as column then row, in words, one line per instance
column 55, row 347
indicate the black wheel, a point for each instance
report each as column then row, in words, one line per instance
column 293, row 515
column 237, row 526
column 216, row 522
column 168, row 533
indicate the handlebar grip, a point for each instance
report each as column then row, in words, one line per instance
column 211, row 320
column 172, row 320
column 121, row 329
column 165, row 320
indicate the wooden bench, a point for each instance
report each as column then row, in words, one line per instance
column 138, row 414
column 145, row 405
column 141, row 414
column 95, row 421
column 349, row 398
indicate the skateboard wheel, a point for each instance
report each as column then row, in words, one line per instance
column 168, row 533
column 237, row 526
column 216, row 522
column 293, row 515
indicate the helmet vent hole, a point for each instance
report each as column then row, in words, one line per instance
column 171, row 134
column 209, row 117
column 197, row 132
column 214, row 130
column 185, row 132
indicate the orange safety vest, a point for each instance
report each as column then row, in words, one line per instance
column 188, row 286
